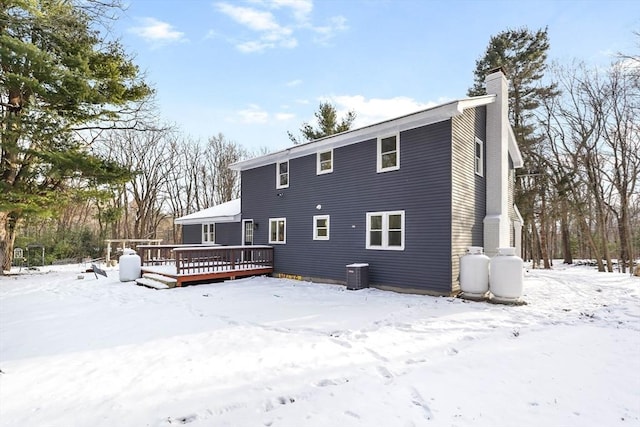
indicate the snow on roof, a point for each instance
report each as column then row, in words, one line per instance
column 224, row 212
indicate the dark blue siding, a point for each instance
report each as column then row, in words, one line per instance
column 192, row 233
column 227, row 233
column 421, row 187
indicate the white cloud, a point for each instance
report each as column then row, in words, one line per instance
column 301, row 9
column 325, row 33
column 293, row 83
column 157, row 32
column 254, row 114
column 375, row 110
column 284, row 116
column 270, row 33
column 294, row 16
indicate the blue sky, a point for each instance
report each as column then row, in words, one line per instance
column 253, row 70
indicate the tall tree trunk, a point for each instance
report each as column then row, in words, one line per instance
column 592, row 244
column 544, row 253
column 566, row 239
column 8, row 224
column 601, row 227
column 625, row 241
column 535, row 245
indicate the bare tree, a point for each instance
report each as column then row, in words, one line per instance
column 148, row 155
column 593, row 141
column 221, row 153
column 621, row 102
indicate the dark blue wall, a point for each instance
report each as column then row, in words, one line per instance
column 227, row 233
column 421, row 187
column 192, row 233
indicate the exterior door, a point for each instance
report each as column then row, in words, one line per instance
column 247, row 237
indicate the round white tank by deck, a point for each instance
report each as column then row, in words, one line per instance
column 506, row 275
column 474, row 272
column 129, row 266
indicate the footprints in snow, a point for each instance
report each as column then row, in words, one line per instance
column 272, row 404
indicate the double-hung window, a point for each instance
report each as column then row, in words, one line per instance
column 325, row 162
column 277, row 230
column 209, row 233
column 282, row 174
column 388, row 150
column 479, row 157
column 385, row 230
column 321, row 227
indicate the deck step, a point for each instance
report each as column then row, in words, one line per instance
column 169, row 281
column 151, row 283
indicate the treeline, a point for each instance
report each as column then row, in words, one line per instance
column 578, row 129
column 172, row 175
column 586, row 200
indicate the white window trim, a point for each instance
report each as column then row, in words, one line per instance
column 319, row 171
column 276, row 220
column 205, row 236
column 315, row 227
column 278, row 185
column 478, row 163
column 379, row 167
column 385, row 231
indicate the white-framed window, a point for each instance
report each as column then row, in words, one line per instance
column 385, row 230
column 282, row 174
column 277, row 230
column 209, row 233
column 325, row 162
column 321, row 227
column 479, row 157
column 388, row 153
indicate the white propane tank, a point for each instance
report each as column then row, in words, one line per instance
column 129, row 266
column 474, row 273
column 506, row 276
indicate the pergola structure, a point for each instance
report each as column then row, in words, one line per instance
column 126, row 243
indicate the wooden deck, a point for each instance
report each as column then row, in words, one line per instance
column 188, row 263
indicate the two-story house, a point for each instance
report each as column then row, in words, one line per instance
column 407, row 196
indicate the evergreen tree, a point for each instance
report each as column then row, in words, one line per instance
column 60, row 77
column 522, row 54
column 328, row 124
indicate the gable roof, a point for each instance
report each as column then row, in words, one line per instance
column 410, row 121
column 224, row 212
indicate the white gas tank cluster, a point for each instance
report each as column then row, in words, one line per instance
column 499, row 278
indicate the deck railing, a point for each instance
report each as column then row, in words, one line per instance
column 208, row 259
column 163, row 254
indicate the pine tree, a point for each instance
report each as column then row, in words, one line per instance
column 59, row 77
column 328, row 124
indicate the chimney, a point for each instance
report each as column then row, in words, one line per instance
column 497, row 226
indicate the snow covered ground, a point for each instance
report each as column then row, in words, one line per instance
column 270, row 352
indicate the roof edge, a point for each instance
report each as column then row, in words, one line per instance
column 409, row 121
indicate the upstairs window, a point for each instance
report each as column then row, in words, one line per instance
column 277, row 230
column 325, row 162
column 209, row 233
column 388, row 153
column 321, row 227
column 282, row 174
column 479, row 157
column 385, row 230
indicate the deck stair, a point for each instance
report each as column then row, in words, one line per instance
column 157, row 281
